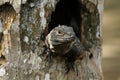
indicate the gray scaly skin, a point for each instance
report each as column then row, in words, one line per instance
column 62, row 41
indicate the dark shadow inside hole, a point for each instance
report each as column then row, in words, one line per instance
column 67, row 12
column 1, row 37
column 90, row 56
column 6, row 7
column 2, row 60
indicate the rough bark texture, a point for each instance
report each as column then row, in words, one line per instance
column 24, row 57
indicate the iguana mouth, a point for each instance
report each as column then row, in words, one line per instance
column 63, row 41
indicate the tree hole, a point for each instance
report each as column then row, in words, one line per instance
column 67, row 12
column 7, row 13
column 91, row 56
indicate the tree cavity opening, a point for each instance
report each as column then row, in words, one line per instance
column 67, row 12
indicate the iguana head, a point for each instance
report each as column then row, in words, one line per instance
column 60, row 39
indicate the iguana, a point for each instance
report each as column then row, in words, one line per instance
column 62, row 41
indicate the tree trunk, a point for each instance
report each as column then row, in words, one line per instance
column 23, row 48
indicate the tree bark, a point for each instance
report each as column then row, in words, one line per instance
column 25, row 59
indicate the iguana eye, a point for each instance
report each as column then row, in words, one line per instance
column 60, row 32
